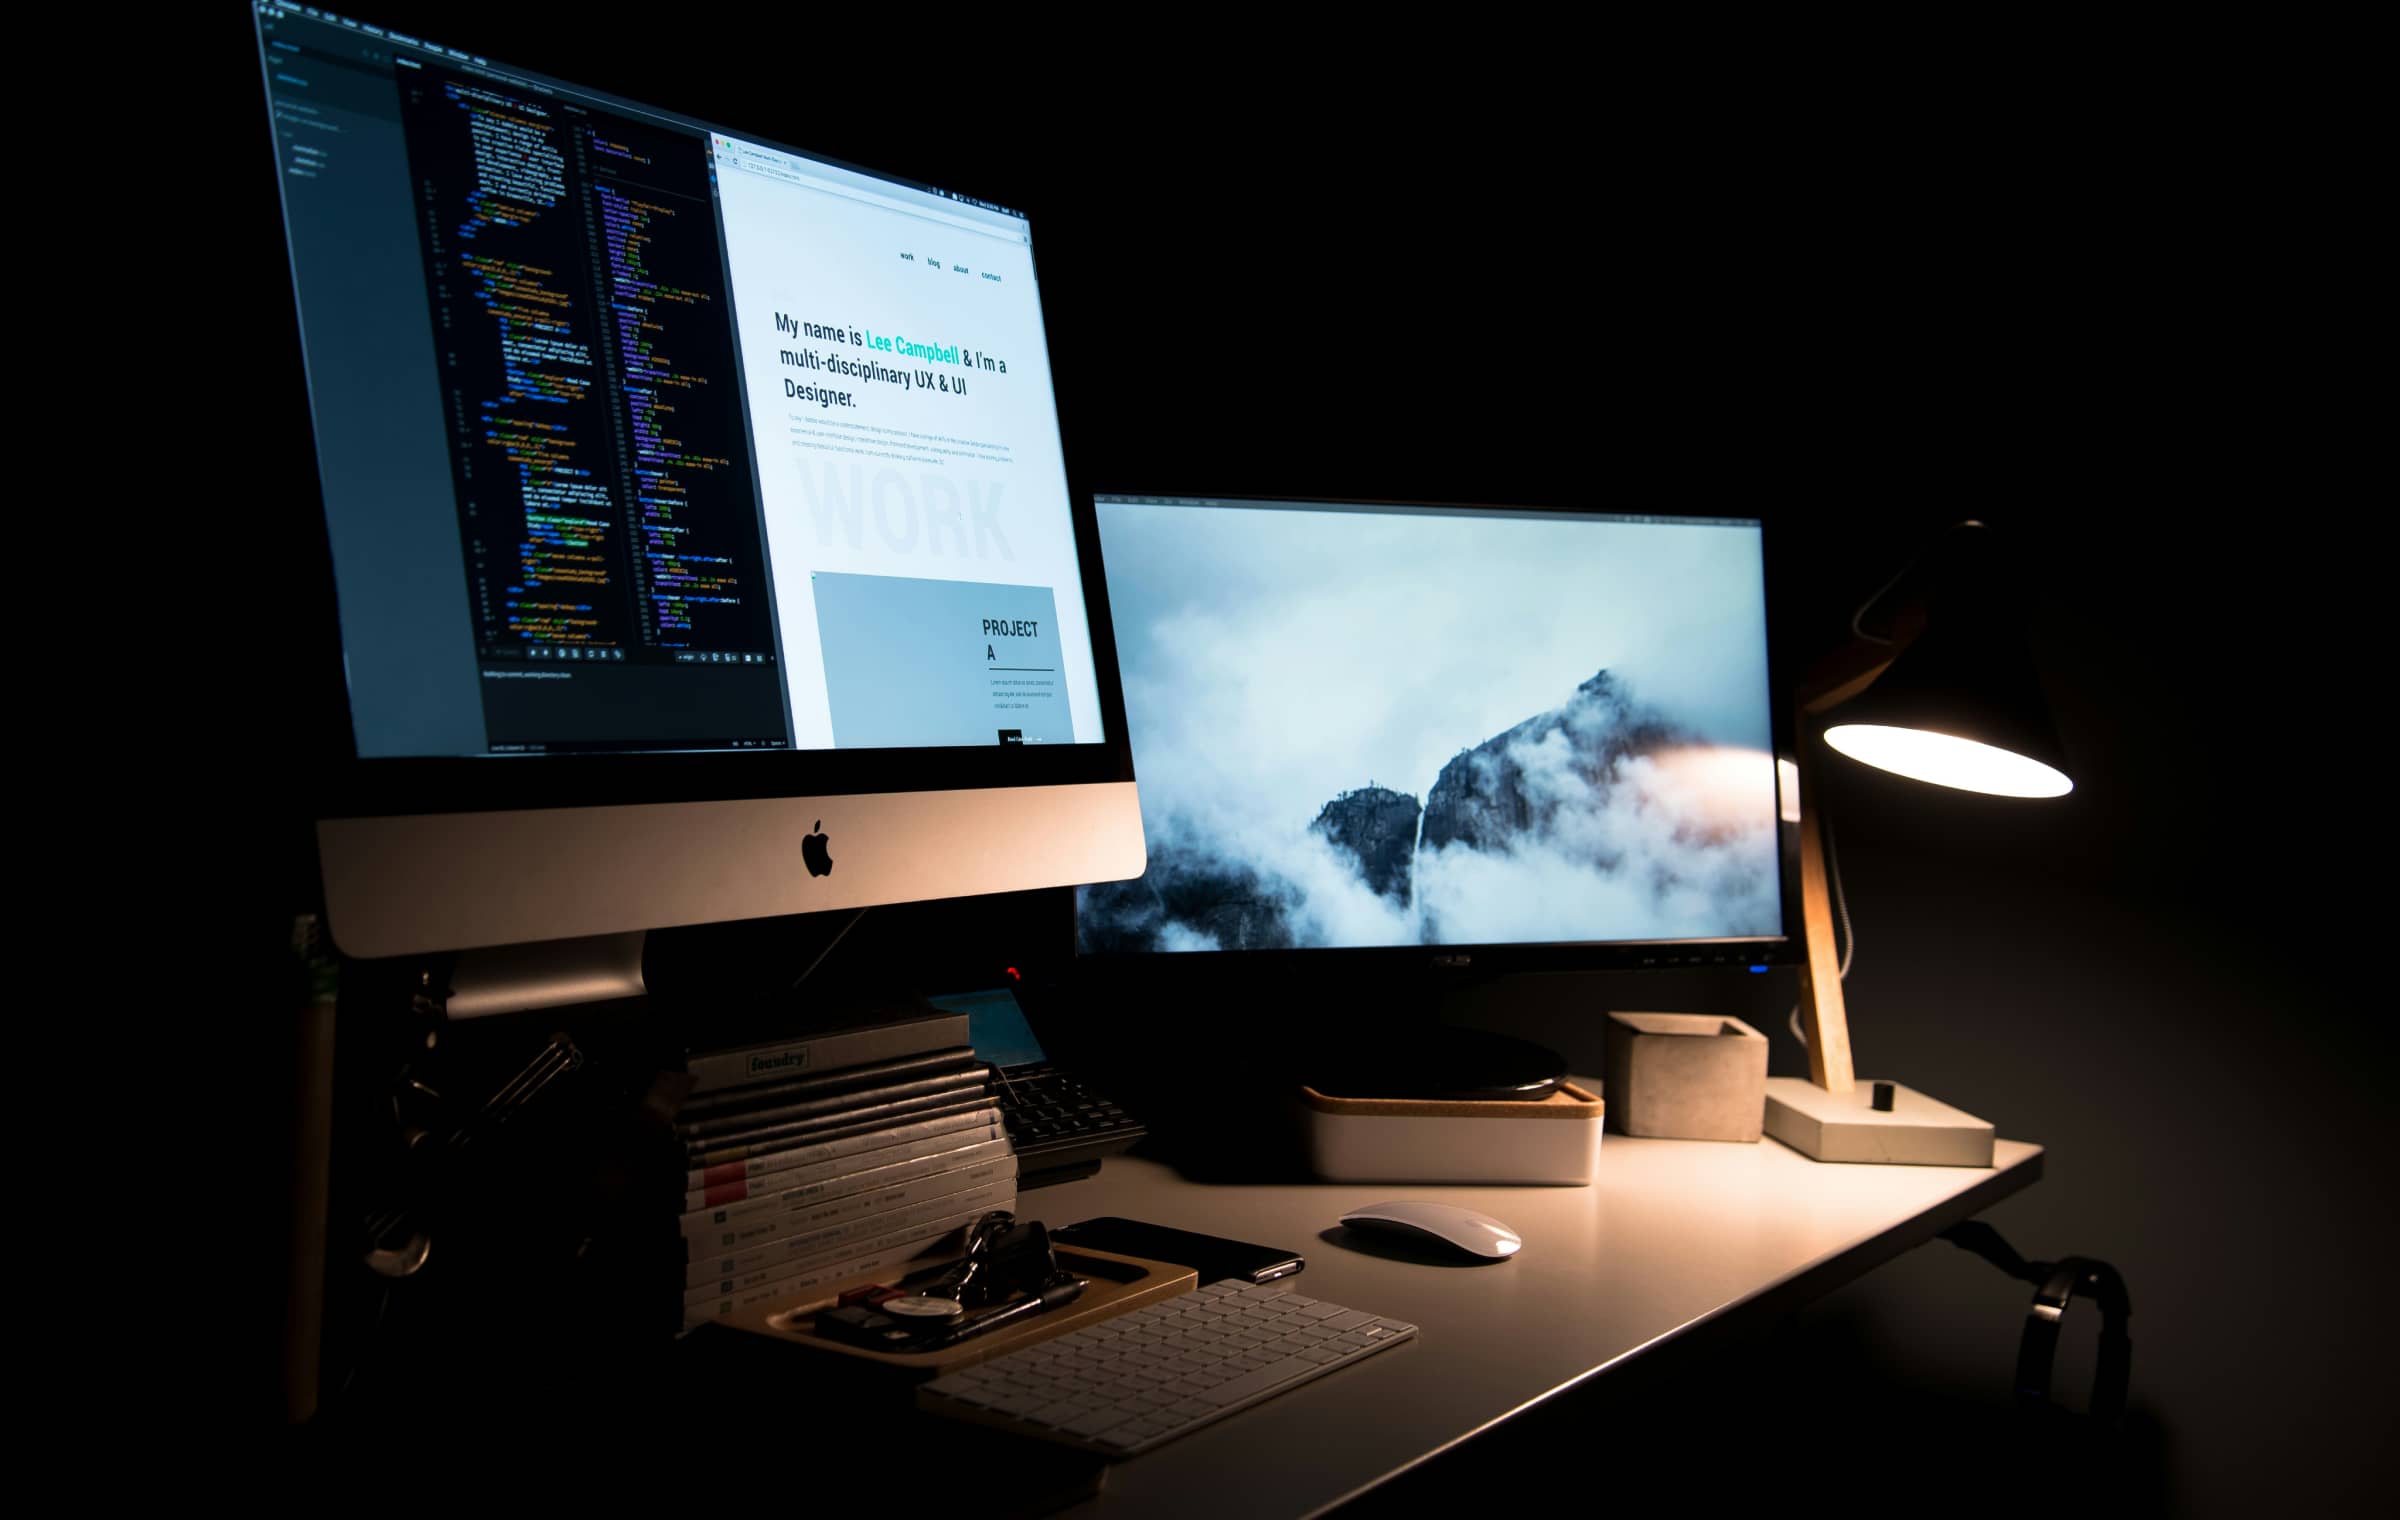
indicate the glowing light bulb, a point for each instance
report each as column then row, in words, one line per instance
column 1946, row 760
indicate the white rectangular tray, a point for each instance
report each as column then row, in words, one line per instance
column 1555, row 1141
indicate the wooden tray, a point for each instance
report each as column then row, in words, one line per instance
column 1118, row 1283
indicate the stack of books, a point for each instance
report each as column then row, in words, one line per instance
column 832, row 1156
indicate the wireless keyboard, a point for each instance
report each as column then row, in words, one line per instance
column 1141, row 1379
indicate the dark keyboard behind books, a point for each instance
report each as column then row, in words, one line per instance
column 1059, row 1125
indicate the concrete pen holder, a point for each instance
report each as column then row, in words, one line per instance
column 1686, row 1076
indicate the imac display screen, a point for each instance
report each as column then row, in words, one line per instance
column 1359, row 726
column 639, row 434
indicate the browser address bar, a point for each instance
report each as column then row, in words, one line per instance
column 770, row 170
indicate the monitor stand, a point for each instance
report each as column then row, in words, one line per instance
column 1410, row 1053
column 1439, row 1061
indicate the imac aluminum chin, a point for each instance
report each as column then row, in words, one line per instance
column 454, row 881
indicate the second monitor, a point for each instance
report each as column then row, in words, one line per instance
column 1365, row 726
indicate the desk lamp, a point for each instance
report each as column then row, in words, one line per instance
column 1948, row 696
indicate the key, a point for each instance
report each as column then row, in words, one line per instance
column 1016, row 1401
column 1349, row 1319
column 973, row 1398
column 1240, row 1388
column 1097, row 1421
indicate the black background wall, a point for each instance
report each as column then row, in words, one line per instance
column 1864, row 298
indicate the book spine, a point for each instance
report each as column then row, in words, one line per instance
column 719, row 1070
column 747, row 1190
column 708, row 1224
column 820, row 1280
column 731, row 1249
column 734, row 1102
column 719, row 1129
column 776, row 1137
column 842, row 1143
column 933, row 1220
column 842, row 1238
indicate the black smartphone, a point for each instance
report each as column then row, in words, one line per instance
column 1213, row 1256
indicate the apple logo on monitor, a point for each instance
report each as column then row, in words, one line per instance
column 813, row 851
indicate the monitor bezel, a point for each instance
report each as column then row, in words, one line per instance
column 337, row 782
column 1787, row 949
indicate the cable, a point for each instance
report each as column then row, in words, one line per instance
column 1858, row 617
column 810, row 969
column 1841, row 899
column 1857, row 632
column 1841, row 908
column 365, row 1349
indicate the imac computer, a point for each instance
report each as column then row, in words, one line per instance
column 1425, row 740
column 696, row 512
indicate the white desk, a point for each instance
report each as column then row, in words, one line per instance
column 1673, row 1234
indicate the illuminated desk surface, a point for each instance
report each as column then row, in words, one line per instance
column 1672, row 1234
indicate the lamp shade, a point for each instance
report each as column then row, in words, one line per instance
column 1961, row 705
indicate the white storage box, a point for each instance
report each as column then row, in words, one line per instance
column 1554, row 1141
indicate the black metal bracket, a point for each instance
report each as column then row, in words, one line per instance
column 2056, row 1285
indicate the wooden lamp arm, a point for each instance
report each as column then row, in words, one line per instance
column 1824, row 1017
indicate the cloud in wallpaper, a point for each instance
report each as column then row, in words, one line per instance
column 1357, row 729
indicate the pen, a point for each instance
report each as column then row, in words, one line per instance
column 1064, row 1291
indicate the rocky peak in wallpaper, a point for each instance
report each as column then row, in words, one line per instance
column 1583, row 794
